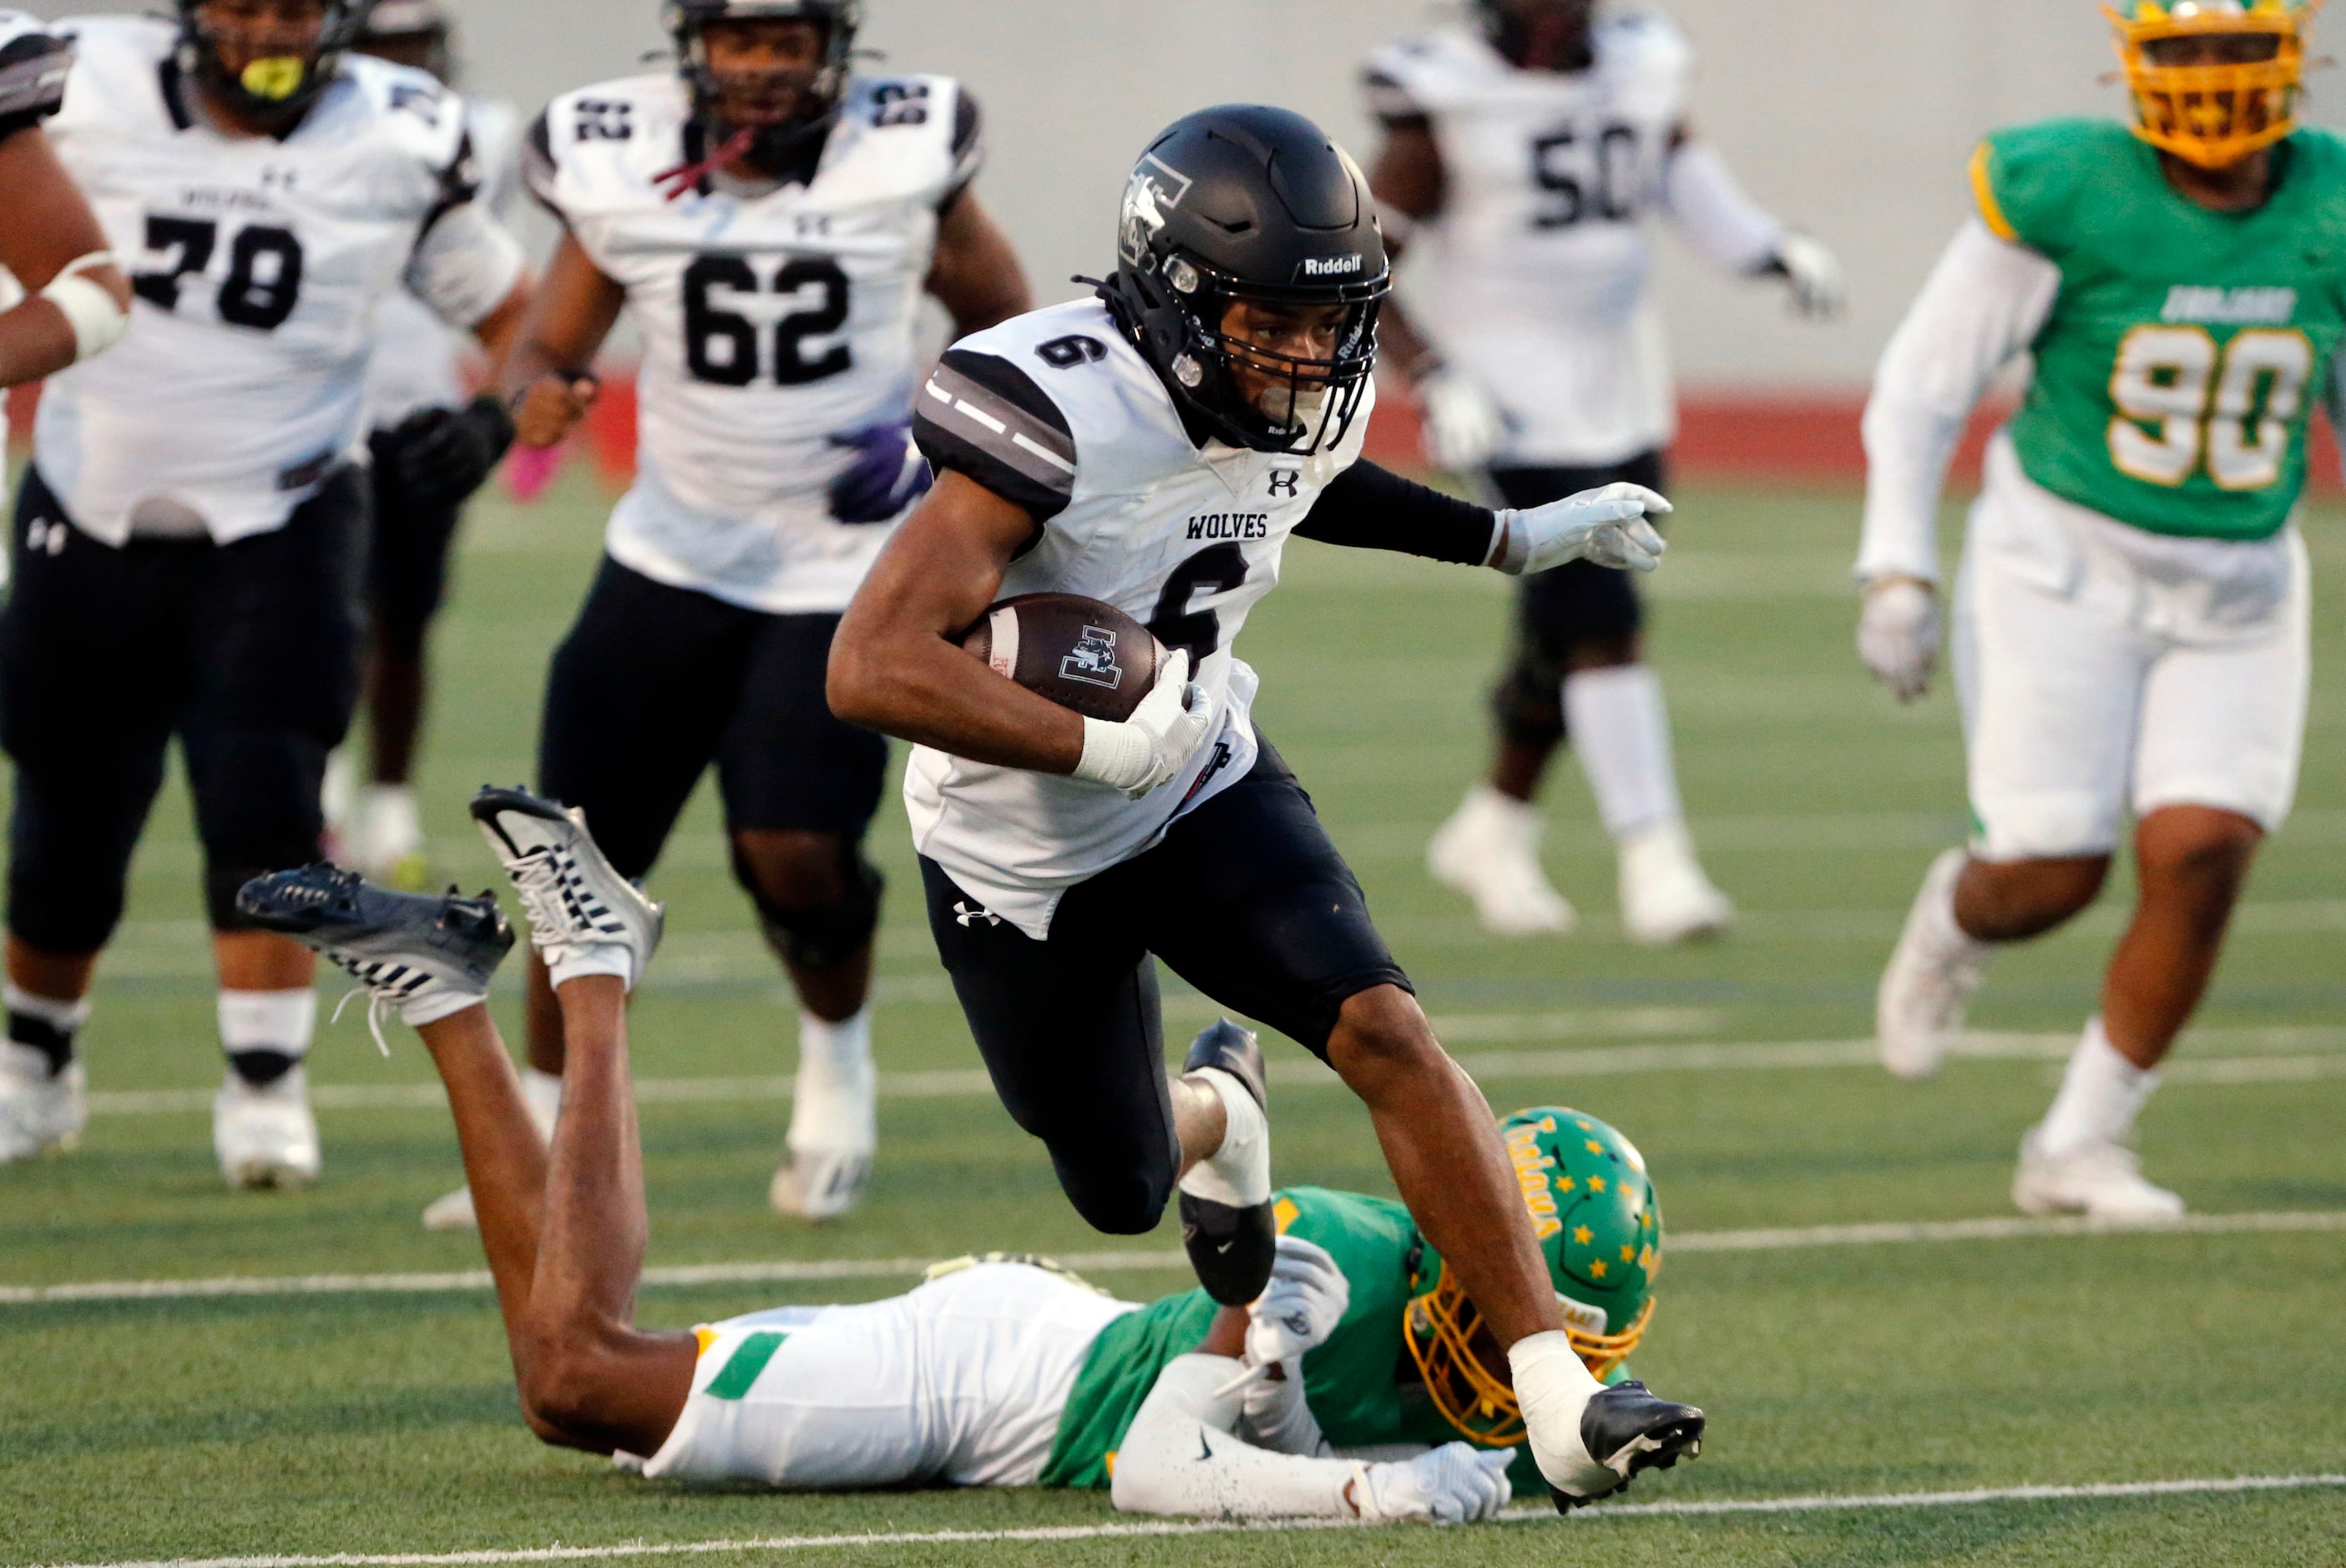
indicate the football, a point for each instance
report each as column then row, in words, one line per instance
column 1080, row 653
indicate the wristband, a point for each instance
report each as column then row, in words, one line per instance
column 98, row 321
column 1116, row 755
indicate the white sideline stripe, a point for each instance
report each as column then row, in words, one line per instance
column 1590, row 1061
column 2013, row 1227
column 1159, row 1528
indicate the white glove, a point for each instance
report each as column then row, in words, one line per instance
column 1553, row 1387
column 1608, row 526
column 1152, row 745
column 1457, row 1484
column 1819, row 290
column 1462, row 425
column 1306, row 1299
column 1898, row 635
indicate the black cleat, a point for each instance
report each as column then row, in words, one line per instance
column 1628, row 1432
column 1232, row 1250
column 407, row 950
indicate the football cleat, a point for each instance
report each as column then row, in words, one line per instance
column 426, row 956
column 1489, row 851
column 41, row 1113
column 585, row 917
column 820, row 1184
column 266, row 1136
column 2102, row 1181
column 1666, row 897
column 1918, row 1011
column 1628, row 1432
column 1232, row 1249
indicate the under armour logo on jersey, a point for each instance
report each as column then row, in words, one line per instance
column 44, row 538
column 1093, row 662
column 1286, row 480
column 969, row 914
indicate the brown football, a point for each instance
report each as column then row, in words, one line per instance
column 1080, row 653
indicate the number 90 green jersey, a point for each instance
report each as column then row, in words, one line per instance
column 2185, row 348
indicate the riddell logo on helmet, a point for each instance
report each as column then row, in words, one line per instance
column 1531, row 1174
column 1333, row 265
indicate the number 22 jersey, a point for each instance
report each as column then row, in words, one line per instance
column 774, row 319
column 258, row 264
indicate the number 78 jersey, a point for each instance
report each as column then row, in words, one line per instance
column 2185, row 348
column 772, row 320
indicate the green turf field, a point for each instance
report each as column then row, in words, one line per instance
column 384, row 1422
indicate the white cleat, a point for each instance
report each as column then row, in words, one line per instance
column 453, row 1211
column 384, row 838
column 2102, row 1181
column 1489, row 851
column 1918, row 1011
column 1666, row 898
column 820, row 1185
column 266, row 1138
column 39, row 1113
column 584, row 917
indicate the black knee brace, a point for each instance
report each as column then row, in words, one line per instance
column 1528, row 701
column 822, row 937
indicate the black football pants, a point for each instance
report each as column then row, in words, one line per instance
column 246, row 652
column 1245, row 897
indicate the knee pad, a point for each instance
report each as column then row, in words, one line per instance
column 1528, row 702
column 822, row 937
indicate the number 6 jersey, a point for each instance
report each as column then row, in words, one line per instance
column 774, row 319
column 258, row 264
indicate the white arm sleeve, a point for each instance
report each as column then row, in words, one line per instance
column 1277, row 1417
column 1983, row 303
column 1180, row 1457
column 1714, row 212
column 466, row 265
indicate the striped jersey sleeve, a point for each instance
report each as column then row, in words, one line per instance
column 34, row 65
column 981, row 416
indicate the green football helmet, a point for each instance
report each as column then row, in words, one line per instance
column 1600, row 1230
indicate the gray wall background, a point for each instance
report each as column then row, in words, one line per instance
column 1849, row 117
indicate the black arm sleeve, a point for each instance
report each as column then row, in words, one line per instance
column 1372, row 508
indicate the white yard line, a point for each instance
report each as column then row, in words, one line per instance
column 785, row 1272
column 2292, row 1058
column 2107, row 1491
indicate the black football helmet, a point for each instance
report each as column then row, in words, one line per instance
column 1244, row 203
column 273, row 92
column 1540, row 35
column 413, row 31
column 774, row 146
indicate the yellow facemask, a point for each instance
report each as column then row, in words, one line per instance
column 2214, row 115
column 1440, row 1327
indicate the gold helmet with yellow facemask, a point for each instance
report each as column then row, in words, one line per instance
column 1600, row 1232
column 2213, row 80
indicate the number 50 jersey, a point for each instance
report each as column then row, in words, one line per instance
column 257, row 262
column 773, row 319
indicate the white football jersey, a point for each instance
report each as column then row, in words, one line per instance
column 773, row 319
column 1533, row 279
column 420, row 360
column 258, row 264
column 1057, row 411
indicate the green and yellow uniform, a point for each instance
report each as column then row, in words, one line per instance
column 2185, row 348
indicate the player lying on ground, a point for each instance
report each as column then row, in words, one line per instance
column 999, row 1370
column 1153, row 448
column 2131, row 621
column 1528, row 149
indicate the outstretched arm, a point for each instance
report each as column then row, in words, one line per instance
column 1738, row 235
column 79, row 306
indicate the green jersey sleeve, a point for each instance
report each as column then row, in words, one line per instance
column 2026, row 180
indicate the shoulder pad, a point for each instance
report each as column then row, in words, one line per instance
column 2026, row 181
column 1423, row 74
column 418, row 117
column 983, row 416
column 601, row 145
column 34, row 65
column 1645, row 47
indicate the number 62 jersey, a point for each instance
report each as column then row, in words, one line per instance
column 774, row 318
column 257, row 263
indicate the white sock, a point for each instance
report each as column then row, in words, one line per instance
column 2101, row 1095
column 340, row 792
column 542, row 1093
column 267, row 1033
column 832, row 1104
column 1621, row 729
column 1237, row 1174
column 389, row 812
column 1947, row 931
